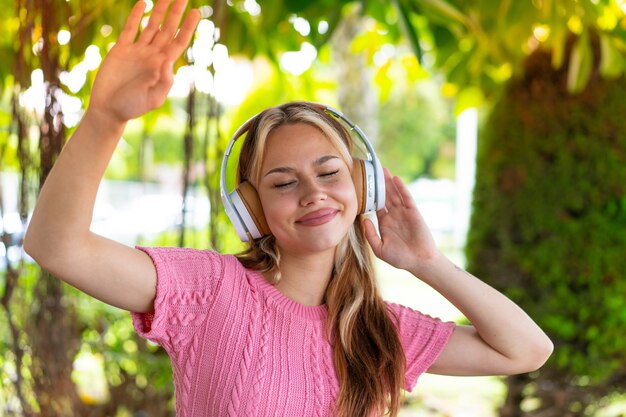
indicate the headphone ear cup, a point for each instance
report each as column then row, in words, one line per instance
column 251, row 210
column 365, row 185
column 359, row 180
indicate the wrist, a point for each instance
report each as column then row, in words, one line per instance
column 426, row 267
column 103, row 121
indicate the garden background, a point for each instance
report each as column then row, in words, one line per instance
column 517, row 107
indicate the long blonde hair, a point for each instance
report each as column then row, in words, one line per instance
column 367, row 354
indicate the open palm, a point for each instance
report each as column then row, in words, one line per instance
column 136, row 75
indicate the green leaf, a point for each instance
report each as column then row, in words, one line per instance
column 468, row 97
column 408, row 27
column 611, row 60
column 580, row 64
column 559, row 39
column 384, row 81
column 444, row 11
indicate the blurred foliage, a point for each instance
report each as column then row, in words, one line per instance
column 480, row 44
column 548, row 225
column 417, row 131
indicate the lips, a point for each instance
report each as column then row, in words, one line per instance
column 317, row 217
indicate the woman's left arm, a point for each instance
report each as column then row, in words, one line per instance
column 502, row 339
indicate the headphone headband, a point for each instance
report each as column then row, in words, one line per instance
column 238, row 212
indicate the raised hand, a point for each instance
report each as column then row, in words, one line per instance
column 136, row 75
column 405, row 241
column 502, row 339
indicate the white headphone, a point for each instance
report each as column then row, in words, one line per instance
column 243, row 206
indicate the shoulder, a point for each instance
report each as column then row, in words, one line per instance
column 189, row 256
column 175, row 253
column 184, row 267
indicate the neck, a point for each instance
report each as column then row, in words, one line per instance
column 304, row 278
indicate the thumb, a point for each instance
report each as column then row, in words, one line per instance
column 163, row 85
column 166, row 78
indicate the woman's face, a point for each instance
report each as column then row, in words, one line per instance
column 306, row 190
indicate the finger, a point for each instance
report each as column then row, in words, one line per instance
column 148, row 34
column 184, row 35
column 393, row 196
column 169, row 28
column 404, row 192
column 372, row 237
column 132, row 24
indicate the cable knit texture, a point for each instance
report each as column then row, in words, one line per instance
column 239, row 347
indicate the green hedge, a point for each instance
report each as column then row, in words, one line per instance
column 549, row 219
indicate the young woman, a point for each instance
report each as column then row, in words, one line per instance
column 294, row 326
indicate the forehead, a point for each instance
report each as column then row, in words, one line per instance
column 298, row 142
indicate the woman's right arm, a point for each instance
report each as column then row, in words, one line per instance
column 135, row 78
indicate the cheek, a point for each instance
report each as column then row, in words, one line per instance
column 348, row 194
column 275, row 210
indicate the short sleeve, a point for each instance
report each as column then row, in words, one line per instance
column 187, row 280
column 423, row 338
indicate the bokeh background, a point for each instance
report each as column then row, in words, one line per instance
column 506, row 119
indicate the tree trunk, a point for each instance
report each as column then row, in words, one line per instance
column 514, row 396
column 53, row 333
column 55, row 340
column 188, row 160
column 357, row 99
column 213, row 153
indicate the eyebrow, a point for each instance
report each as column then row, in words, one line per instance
column 319, row 161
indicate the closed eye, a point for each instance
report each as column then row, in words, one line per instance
column 330, row 174
column 283, row 184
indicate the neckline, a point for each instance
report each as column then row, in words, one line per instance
column 283, row 302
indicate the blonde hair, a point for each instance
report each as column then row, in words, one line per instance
column 368, row 357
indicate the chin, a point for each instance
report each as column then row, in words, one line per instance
column 313, row 245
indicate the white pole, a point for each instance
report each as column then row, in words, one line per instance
column 466, row 143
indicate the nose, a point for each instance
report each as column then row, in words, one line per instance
column 312, row 193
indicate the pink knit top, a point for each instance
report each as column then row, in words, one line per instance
column 239, row 347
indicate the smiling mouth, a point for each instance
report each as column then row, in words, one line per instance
column 317, row 217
